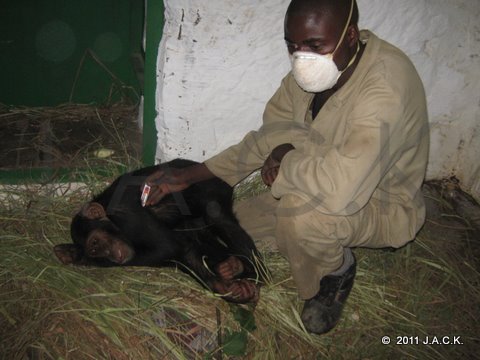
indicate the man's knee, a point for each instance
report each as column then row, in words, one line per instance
column 292, row 206
column 299, row 215
column 300, row 225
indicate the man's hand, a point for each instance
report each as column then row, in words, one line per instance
column 270, row 170
column 163, row 182
column 169, row 180
column 271, row 166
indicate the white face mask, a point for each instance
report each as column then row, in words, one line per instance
column 315, row 72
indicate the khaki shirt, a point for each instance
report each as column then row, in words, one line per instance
column 369, row 140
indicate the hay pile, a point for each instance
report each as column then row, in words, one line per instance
column 68, row 135
column 50, row 311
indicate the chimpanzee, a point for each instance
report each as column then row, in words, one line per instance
column 195, row 228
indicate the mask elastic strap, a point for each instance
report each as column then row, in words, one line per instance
column 352, row 60
column 345, row 28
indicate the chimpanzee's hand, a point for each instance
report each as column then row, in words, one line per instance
column 271, row 166
column 165, row 181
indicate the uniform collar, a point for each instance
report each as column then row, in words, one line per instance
column 368, row 57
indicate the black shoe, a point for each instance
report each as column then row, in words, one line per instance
column 321, row 313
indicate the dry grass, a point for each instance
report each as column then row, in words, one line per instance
column 51, row 311
column 68, row 135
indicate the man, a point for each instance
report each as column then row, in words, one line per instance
column 344, row 147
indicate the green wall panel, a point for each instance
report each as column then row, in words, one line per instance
column 154, row 30
column 42, row 43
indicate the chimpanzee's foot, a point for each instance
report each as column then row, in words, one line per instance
column 238, row 291
column 230, row 268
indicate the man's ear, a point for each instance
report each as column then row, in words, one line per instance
column 352, row 35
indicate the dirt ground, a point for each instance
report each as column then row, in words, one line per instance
column 69, row 135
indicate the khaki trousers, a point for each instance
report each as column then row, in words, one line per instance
column 312, row 242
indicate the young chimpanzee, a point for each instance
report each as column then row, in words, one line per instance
column 195, row 228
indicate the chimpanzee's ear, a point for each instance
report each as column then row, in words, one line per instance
column 69, row 253
column 93, row 211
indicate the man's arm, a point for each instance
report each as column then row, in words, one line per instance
column 279, row 127
column 238, row 161
column 342, row 180
column 169, row 180
column 272, row 164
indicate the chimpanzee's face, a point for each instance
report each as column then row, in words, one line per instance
column 98, row 236
column 103, row 244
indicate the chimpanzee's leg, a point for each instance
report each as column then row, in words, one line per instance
column 233, row 290
column 246, row 260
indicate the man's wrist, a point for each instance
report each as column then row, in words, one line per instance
column 197, row 173
column 280, row 151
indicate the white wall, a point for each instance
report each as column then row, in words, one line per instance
column 221, row 60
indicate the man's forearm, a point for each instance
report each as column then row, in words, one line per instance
column 196, row 173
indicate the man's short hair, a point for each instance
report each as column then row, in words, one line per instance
column 339, row 8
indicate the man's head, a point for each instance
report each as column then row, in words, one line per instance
column 317, row 26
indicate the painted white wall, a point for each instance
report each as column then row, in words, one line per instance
column 219, row 63
column 221, row 60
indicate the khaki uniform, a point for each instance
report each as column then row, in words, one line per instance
column 354, row 177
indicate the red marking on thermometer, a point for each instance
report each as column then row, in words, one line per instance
column 145, row 193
